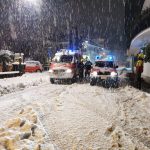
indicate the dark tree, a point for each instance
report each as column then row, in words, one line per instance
column 147, row 53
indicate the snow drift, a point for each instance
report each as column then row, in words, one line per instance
column 9, row 85
column 25, row 132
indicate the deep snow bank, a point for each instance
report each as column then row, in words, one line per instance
column 134, row 116
column 25, row 132
column 9, row 85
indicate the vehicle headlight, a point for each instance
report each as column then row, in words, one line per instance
column 51, row 71
column 68, row 71
column 113, row 74
column 94, row 73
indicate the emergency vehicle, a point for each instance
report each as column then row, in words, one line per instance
column 64, row 66
column 104, row 72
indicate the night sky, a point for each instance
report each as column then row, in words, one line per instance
column 99, row 18
column 22, row 22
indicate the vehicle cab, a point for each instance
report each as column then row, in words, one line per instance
column 64, row 66
column 104, row 70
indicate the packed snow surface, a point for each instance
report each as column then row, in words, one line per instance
column 9, row 85
column 24, row 132
column 79, row 116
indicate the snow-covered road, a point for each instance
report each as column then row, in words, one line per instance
column 79, row 116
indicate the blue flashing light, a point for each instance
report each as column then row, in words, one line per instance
column 70, row 50
column 98, row 57
column 110, row 57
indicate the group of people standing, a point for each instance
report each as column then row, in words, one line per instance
column 84, row 69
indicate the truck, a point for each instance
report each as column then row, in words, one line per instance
column 104, row 72
column 64, row 66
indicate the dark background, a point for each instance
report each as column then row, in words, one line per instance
column 23, row 28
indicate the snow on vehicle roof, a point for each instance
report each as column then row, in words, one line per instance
column 67, row 52
column 19, row 54
column 104, row 60
column 31, row 61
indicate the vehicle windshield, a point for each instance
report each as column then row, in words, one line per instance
column 32, row 63
column 66, row 58
column 63, row 59
column 104, row 64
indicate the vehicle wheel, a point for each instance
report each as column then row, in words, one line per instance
column 52, row 81
column 68, row 81
column 123, row 82
column 74, row 79
column 113, row 84
column 93, row 82
column 38, row 71
column 106, row 84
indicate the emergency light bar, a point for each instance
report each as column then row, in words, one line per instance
column 106, row 58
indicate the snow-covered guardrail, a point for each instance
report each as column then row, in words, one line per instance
column 9, row 74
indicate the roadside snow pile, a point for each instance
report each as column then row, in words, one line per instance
column 121, row 140
column 134, row 116
column 24, row 133
column 9, row 85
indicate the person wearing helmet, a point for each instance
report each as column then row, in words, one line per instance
column 140, row 55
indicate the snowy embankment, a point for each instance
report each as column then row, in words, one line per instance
column 133, row 119
column 74, row 117
column 9, row 85
column 24, row 132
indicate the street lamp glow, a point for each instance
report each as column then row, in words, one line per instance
column 36, row 3
column 32, row 1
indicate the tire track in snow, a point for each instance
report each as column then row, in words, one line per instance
column 74, row 141
column 45, row 110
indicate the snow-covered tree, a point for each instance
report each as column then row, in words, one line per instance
column 147, row 53
column 5, row 57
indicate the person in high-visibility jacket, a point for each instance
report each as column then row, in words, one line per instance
column 139, row 69
column 139, row 66
column 140, row 56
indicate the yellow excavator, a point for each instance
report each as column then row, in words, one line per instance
column 11, row 64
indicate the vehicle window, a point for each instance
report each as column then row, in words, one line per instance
column 66, row 58
column 30, row 63
column 36, row 63
column 104, row 64
column 56, row 59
